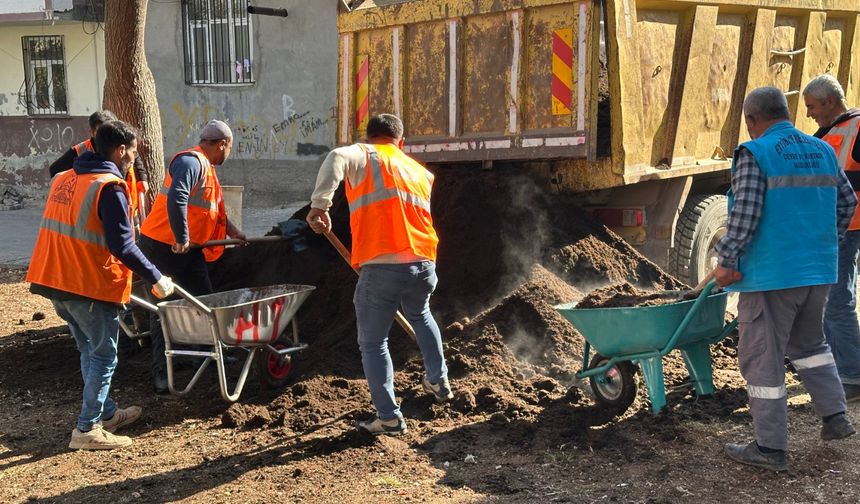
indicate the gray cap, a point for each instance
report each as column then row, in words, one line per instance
column 215, row 130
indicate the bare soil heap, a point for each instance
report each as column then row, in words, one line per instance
column 508, row 252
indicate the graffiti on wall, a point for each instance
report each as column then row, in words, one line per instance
column 54, row 137
column 298, row 132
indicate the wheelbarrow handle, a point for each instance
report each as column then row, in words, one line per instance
column 182, row 292
column 697, row 304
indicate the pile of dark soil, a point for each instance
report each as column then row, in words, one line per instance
column 626, row 295
column 508, row 252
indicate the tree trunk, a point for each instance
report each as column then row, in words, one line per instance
column 129, row 86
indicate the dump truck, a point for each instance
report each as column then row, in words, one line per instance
column 633, row 105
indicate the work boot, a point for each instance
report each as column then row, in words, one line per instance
column 837, row 427
column 441, row 391
column 121, row 418
column 97, row 439
column 374, row 425
column 852, row 392
column 750, row 454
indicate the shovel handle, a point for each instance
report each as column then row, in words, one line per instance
column 344, row 253
column 236, row 241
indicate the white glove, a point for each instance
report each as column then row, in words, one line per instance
column 163, row 287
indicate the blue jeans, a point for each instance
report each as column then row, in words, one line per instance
column 840, row 316
column 381, row 290
column 95, row 327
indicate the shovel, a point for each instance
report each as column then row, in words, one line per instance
column 341, row 249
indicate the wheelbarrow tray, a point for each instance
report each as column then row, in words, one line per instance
column 243, row 317
column 633, row 330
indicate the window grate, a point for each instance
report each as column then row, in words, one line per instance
column 217, row 37
column 45, row 74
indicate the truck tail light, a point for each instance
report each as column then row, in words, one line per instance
column 620, row 217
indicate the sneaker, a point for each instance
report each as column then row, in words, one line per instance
column 751, row 455
column 121, row 418
column 441, row 391
column 97, row 439
column 838, row 427
column 852, row 392
column 376, row 426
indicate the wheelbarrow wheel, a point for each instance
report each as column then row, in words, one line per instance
column 616, row 388
column 275, row 370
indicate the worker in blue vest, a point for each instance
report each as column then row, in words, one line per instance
column 789, row 205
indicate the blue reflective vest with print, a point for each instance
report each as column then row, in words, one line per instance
column 795, row 243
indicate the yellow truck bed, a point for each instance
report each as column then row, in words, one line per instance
column 609, row 92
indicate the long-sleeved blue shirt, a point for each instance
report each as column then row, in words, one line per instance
column 185, row 172
column 113, row 211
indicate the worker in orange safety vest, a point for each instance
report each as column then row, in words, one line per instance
column 83, row 260
column 136, row 178
column 839, row 126
column 188, row 210
column 394, row 246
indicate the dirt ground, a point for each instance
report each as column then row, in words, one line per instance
column 520, row 429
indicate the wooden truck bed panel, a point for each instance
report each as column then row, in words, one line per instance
column 480, row 80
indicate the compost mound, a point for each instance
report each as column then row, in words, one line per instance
column 509, row 250
column 626, row 295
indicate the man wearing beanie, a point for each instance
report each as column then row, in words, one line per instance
column 188, row 210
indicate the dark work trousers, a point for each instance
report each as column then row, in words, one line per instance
column 188, row 271
column 773, row 324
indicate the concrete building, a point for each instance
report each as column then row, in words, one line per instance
column 273, row 79
column 52, row 56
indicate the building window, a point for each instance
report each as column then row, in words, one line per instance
column 217, row 42
column 45, row 75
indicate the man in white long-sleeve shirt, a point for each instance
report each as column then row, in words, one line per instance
column 394, row 245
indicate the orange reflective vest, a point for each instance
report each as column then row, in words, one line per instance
column 130, row 178
column 207, row 217
column 842, row 138
column 389, row 210
column 71, row 252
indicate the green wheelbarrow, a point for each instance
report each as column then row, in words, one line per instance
column 643, row 335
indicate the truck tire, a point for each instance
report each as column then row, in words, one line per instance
column 702, row 222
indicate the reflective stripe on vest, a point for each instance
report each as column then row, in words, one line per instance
column 395, row 189
column 196, row 197
column 131, row 180
column 846, row 133
column 71, row 252
column 85, row 146
column 801, row 172
column 802, row 181
column 380, row 192
column 206, row 218
column 78, row 230
column 842, row 138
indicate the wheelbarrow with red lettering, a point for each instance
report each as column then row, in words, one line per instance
column 254, row 320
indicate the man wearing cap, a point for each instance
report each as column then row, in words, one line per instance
column 188, row 210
